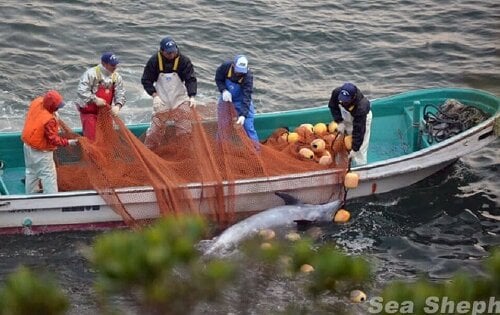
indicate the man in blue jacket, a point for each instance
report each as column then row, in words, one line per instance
column 235, row 82
column 352, row 111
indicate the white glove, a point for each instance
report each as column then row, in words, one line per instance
column 72, row 142
column 341, row 127
column 115, row 109
column 241, row 120
column 226, row 96
column 100, row 102
column 192, row 102
column 157, row 103
column 352, row 154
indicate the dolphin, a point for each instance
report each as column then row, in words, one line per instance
column 293, row 211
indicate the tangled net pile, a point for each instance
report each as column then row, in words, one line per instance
column 201, row 158
column 450, row 119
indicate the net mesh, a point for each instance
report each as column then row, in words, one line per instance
column 212, row 157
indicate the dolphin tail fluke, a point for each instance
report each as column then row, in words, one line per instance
column 289, row 199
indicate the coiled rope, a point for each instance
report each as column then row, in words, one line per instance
column 450, row 119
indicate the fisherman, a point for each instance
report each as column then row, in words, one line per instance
column 41, row 138
column 351, row 111
column 169, row 77
column 100, row 86
column 235, row 83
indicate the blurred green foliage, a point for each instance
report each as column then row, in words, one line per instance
column 427, row 296
column 161, row 271
column 159, row 267
column 26, row 293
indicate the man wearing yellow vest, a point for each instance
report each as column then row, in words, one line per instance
column 352, row 111
column 169, row 77
column 100, row 87
column 41, row 137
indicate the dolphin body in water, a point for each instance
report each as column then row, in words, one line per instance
column 293, row 211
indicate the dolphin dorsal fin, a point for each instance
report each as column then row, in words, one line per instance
column 289, row 199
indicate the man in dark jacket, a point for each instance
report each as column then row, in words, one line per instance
column 352, row 111
column 170, row 79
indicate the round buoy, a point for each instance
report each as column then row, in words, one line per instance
column 351, row 180
column 283, row 138
column 357, row 296
column 318, row 145
column 309, row 127
column 342, row 216
column 348, row 142
column 292, row 137
column 325, row 159
column 27, row 222
column 306, row 153
column 332, row 127
column 306, row 268
column 266, row 246
column 267, row 234
column 292, row 236
column 320, row 129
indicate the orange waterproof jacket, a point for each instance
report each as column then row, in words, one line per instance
column 41, row 128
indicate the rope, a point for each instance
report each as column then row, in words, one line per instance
column 345, row 188
column 449, row 119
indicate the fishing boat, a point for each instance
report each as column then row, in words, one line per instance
column 403, row 150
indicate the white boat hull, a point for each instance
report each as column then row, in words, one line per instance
column 87, row 210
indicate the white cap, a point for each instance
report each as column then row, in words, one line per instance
column 240, row 64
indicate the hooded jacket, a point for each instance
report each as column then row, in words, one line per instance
column 41, row 129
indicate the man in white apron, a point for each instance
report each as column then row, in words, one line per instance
column 352, row 111
column 170, row 79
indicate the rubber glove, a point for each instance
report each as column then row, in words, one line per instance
column 157, row 103
column 341, row 127
column 226, row 96
column 241, row 120
column 115, row 109
column 72, row 142
column 100, row 102
column 192, row 102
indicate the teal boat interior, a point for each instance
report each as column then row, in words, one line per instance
column 395, row 131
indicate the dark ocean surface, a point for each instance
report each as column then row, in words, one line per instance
column 299, row 51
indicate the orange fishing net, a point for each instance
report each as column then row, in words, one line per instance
column 212, row 160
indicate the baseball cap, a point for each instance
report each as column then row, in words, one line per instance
column 168, row 45
column 240, row 64
column 110, row 58
column 347, row 92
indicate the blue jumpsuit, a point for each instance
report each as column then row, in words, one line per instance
column 242, row 109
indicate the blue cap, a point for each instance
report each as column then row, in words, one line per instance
column 110, row 58
column 347, row 92
column 168, row 45
column 240, row 64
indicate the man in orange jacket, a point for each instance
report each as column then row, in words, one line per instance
column 41, row 137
